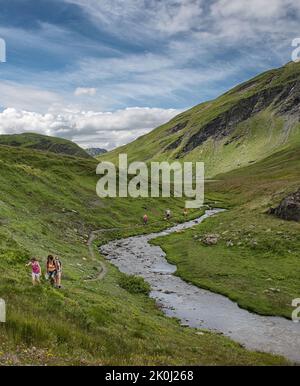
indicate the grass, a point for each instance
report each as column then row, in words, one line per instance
column 256, row 260
column 48, row 205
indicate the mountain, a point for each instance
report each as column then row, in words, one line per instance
column 43, row 143
column 249, row 139
column 95, row 151
column 241, row 127
column 48, row 205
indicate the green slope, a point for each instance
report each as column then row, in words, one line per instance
column 48, row 205
column 241, row 127
column 43, row 143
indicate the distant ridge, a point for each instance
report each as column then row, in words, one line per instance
column 95, row 151
column 44, row 143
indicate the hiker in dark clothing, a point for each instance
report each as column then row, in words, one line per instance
column 51, row 269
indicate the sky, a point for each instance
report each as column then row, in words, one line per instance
column 103, row 72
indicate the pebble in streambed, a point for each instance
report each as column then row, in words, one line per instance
column 200, row 308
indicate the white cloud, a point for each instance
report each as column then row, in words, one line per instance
column 254, row 22
column 165, row 17
column 85, row 91
column 27, row 97
column 141, row 20
column 179, row 16
column 254, row 9
column 87, row 128
column 149, row 78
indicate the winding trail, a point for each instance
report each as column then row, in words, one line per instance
column 103, row 269
column 200, row 308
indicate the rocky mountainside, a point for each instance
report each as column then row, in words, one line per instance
column 252, row 121
column 95, row 151
column 43, row 143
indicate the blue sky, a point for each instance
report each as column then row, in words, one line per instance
column 102, row 72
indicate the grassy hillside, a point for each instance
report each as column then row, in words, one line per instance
column 249, row 138
column 241, row 127
column 43, row 143
column 48, row 205
column 256, row 260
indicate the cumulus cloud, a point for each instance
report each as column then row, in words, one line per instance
column 85, row 91
column 179, row 16
column 257, row 9
column 24, row 96
column 258, row 21
column 87, row 128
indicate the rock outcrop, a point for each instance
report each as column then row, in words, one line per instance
column 95, row 151
column 211, row 239
column 289, row 208
column 285, row 99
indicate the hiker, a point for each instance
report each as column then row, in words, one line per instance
column 51, row 269
column 58, row 265
column 168, row 214
column 185, row 212
column 145, row 219
column 36, row 271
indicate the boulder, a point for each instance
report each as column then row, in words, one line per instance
column 289, row 208
column 211, row 239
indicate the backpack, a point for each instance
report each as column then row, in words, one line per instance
column 58, row 264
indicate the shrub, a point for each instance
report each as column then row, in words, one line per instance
column 134, row 284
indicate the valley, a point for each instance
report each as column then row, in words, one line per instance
column 249, row 141
column 196, row 307
column 48, row 205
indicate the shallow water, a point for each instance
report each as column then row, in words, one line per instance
column 200, row 308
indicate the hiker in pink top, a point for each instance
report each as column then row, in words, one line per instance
column 36, row 270
column 145, row 219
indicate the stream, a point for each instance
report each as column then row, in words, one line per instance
column 196, row 307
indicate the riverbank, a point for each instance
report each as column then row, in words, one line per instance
column 200, row 308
